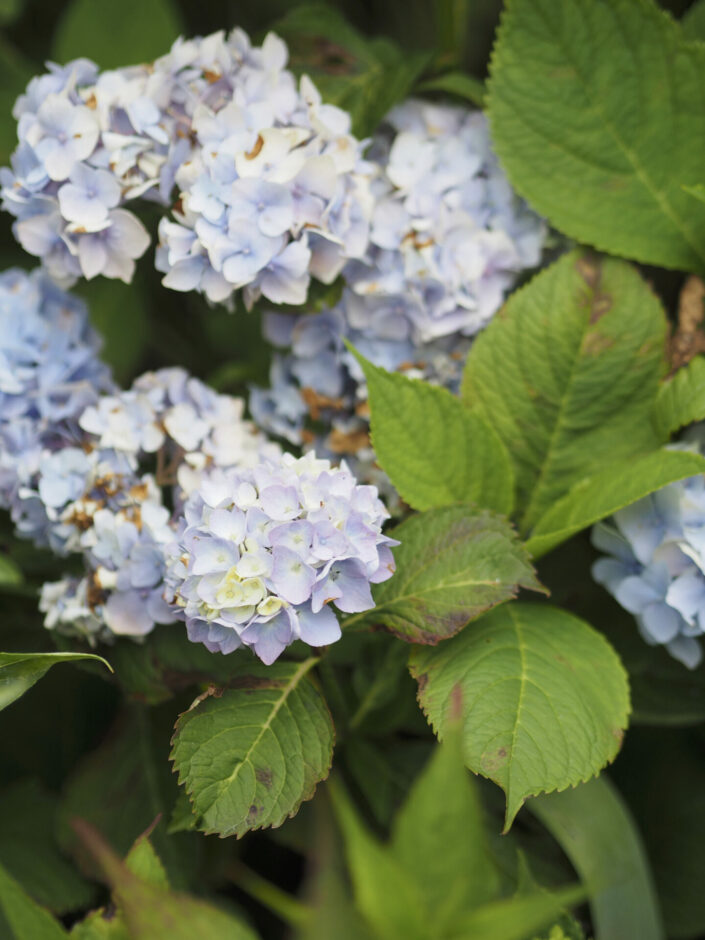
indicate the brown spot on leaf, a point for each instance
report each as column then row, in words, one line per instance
column 422, row 681
column 264, row 777
column 689, row 338
column 253, row 683
column 597, row 343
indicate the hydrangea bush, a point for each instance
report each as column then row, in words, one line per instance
column 374, row 494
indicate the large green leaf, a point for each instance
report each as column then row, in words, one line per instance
column 618, row 485
column 462, row 876
column 19, row 671
column 598, row 115
column 595, row 830
column 453, row 564
column 116, row 34
column 693, row 21
column 434, row 450
column 567, row 375
column 545, row 698
column 249, row 756
column 681, row 399
column 21, row 918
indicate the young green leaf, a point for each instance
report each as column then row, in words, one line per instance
column 681, row 399
column 616, row 486
column 453, row 564
column 595, row 830
column 21, row 918
column 249, row 756
column 151, row 910
column 19, row 671
column 435, row 451
column 441, row 805
column 545, row 698
column 385, row 893
column 567, row 375
column 116, row 34
column 598, row 118
column 515, row 918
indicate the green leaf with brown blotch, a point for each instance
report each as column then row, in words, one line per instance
column 453, row 564
column 249, row 755
column 567, row 373
column 545, row 698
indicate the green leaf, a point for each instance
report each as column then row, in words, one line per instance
column 442, row 804
column 10, row 10
column 152, row 911
column 516, row 918
column 594, row 828
column 119, row 313
column 681, row 399
column 567, row 374
column 144, row 862
column 693, row 21
column 545, row 698
column 453, row 564
column 387, row 897
column 458, row 84
column 434, row 450
column 249, row 756
column 618, row 485
column 23, row 919
column 30, row 853
column 9, row 571
column 365, row 77
column 19, row 671
column 599, row 119
column 116, row 34
column 15, row 73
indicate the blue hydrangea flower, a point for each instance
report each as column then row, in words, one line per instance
column 655, row 566
column 448, row 240
column 50, row 372
column 261, row 555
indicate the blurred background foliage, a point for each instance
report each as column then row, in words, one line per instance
column 71, row 746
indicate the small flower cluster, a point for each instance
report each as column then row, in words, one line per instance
column 656, row 566
column 86, row 145
column 50, row 372
column 261, row 555
column 448, row 239
column 272, row 187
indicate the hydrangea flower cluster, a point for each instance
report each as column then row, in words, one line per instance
column 655, row 566
column 448, row 239
column 262, row 554
column 271, row 185
column 50, row 372
column 274, row 191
